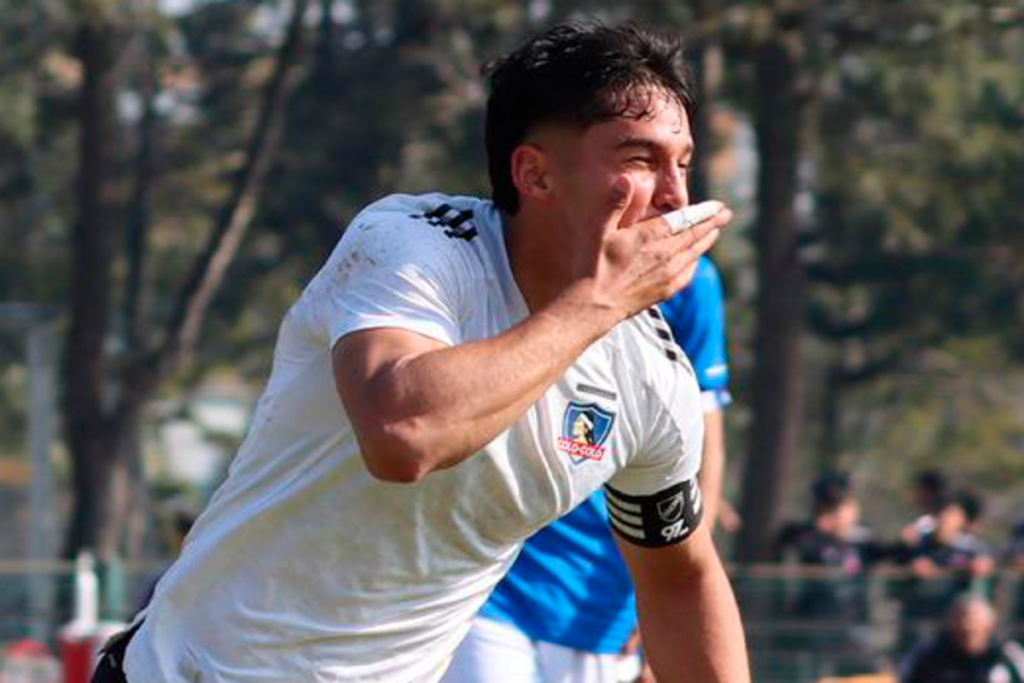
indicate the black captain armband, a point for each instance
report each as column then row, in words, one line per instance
column 660, row 519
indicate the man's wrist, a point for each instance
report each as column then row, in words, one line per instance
column 582, row 304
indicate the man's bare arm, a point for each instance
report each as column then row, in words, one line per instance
column 688, row 616
column 712, row 468
column 417, row 405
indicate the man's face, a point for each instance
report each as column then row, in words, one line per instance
column 847, row 516
column 972, row 627
column 950, row 522
column 654, row 151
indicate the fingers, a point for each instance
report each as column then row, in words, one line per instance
column 690, row 223
column 698, row 233
column 688, row 246
column 705, row 217
column 696, row 242
column 689, row 216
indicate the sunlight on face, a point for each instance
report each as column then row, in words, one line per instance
column 652, row 147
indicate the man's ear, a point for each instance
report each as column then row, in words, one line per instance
column 531, row 172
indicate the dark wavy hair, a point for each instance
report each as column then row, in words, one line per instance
column 577, row 74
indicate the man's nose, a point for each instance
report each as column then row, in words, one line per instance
column 671, row 192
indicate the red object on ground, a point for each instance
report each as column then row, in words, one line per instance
column 78, row 657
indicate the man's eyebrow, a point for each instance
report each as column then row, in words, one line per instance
column 628, row 141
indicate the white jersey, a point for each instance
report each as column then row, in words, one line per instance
column 306, row 568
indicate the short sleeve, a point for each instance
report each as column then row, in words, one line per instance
column 392, row 268
column 655, row 500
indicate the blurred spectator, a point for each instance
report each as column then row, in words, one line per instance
column 943, row 563
column 831, row 598
column 832, row 540
column 928, row 493
column 952, row 545
column 966, row 651
column 828, row 537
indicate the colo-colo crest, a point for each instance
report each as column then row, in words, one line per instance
column 585, row 428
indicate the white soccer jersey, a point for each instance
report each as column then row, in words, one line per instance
column 306, row 568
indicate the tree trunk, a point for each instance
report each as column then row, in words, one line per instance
column 103, row 408
column 89, row 431
column 706, row 58
column 776, row 387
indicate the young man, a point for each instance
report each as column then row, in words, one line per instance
column 565, row 612
column 418, row 422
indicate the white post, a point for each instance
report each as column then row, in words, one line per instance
column 42, row 514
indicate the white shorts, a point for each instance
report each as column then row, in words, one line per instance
column 496, row 652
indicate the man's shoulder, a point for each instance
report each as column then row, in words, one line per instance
column 451, row 216
column 428, row 228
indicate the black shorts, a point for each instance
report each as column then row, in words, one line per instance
column 110, row 669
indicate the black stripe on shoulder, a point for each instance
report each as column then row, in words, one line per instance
column 663, row 334
column 457, row 224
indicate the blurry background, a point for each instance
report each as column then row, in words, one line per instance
column 173, row 172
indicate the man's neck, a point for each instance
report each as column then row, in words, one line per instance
column 536, row 260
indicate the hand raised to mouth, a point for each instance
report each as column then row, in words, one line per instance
column 689, row 216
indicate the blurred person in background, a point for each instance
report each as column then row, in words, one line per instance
column 943, row 564
column 833, row 541
column 833, row 553
column 952, row 547
column 967, row 650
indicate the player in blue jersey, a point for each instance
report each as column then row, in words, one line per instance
column 566, row 610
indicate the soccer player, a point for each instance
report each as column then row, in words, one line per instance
column 420, row 418
column 565, row 612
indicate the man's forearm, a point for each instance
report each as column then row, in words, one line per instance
column 692, row 629
column 712, row 468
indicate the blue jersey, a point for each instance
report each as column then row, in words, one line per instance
column 569, row 585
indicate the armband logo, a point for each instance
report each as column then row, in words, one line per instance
column 585, row 428
column 671, row 509
column 655, row 520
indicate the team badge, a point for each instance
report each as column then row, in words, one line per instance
column 585, row 428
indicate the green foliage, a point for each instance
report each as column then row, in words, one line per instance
column 958, row 410
column 916, row 250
